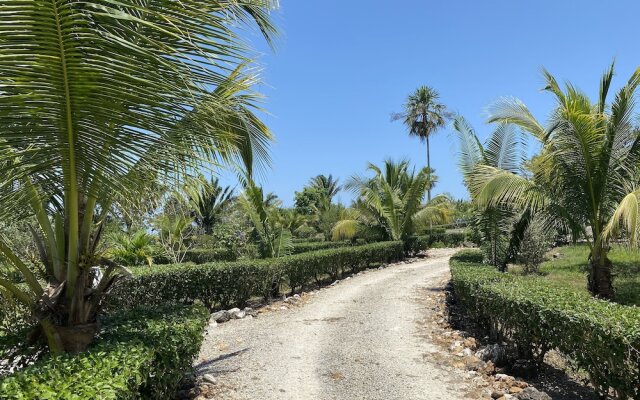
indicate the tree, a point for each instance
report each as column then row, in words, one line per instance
column 98, row 99
column 423, row 115
column 208, row 201
column 274, row 238
column 391, row 202
column 495, row 224
column 310, row 200
column 586, row 175
column 326, row 185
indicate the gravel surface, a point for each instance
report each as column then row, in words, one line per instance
column 357, row 339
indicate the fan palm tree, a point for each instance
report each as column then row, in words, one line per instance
column 97, row 99
column 423, row 115
column 208, row 201
column 587, row 171
column 327, row 185
column 392, row 201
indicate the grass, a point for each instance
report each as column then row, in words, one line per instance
column 570, row 269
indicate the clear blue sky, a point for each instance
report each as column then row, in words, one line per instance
column 343, row 66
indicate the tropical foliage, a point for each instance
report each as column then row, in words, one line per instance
column 100, row 100
column 390, row 203
column 586, row 175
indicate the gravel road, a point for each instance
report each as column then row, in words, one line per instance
column 358, row 339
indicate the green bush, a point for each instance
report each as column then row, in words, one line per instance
column 534, row 315
column 143, row 353
column 314, row 246
column 233, row 283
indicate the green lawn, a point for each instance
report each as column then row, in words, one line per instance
column 570, row 269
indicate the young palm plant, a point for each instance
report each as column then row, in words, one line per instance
column 208, row 201
column 392, row 202
column 586, row 174
column 97, row 100
column 500, row 225
column 274, row 237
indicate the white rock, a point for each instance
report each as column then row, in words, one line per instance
column 213, row 324
column 335, row 283
column 221, row 316
column 297, row 296
column 209, row 378
column 284, row 308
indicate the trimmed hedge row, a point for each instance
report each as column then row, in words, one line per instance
column 315, row 246
column 535, row 315
column 233, row 283
column 143, row 353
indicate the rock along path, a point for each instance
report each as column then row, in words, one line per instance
column 359, row 339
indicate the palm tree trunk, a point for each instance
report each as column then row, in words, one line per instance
column 600, row 280
column 428, row 166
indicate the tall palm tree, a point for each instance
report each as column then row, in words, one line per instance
column 392, row 201
column 587, row 171
column 327, row 185
column 208, row 201
column 100, row 98
column 423, row 115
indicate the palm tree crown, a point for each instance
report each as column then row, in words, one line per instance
column 423, row 115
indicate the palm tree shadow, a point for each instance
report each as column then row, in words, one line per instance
column 213, row 365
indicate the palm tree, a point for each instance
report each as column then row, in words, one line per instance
column 423, row 115
column 503, row 150
column 99, row 99
column 327, row 185
column 274, row 237
column 391, row 201
column 209, row 200
column 586, row 174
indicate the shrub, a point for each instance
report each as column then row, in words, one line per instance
column 314, row 246
column 143, row 353
column 533, row 315
column 233, row 283
column 536, row 240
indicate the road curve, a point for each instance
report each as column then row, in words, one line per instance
column 358, row 339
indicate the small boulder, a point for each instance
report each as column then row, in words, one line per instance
column 209, row 379
column 532, row 393
column 237, row 313
column 221, row 316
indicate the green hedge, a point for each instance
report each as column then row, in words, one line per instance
column 315, row 246
column 534, row 315
column 201, row 256
column 233, row 283
column 143, row 353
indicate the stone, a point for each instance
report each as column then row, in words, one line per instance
column 494, row 353
column 296, row 296
column 284, row 308
column 515, row 390
column 209, row 378
column 221, row 316
column 335, row 283
column 250, row 311
column 213, row 323
column 237, row 313
column 496, row 394
column 470, row 342
column 531, row 393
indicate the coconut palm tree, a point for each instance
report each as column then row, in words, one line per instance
column 423, row 115
column 587, row 171
column 97, row 100
column 391, row 202
column 327, row 185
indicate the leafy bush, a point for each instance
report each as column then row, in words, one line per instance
column 533, row 315
column 314, row 246
column 143, row 353
column 233, row 283
column 536, row 240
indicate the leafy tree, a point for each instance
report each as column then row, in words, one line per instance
column 310, row 200
column 423, row 115
column 587, row 173
column 391, row 202
column 98, row 99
